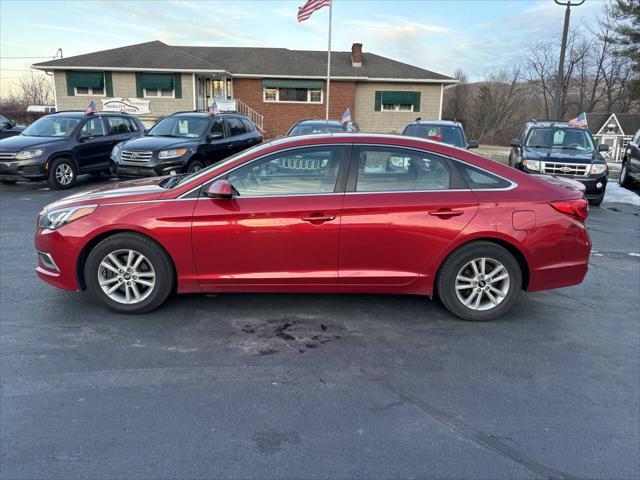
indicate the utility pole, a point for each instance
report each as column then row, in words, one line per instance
column 563, row 47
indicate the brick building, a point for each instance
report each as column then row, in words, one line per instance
column 274, row 86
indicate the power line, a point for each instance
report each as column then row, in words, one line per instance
column 18, row 58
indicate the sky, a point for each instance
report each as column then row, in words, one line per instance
column 438, row 35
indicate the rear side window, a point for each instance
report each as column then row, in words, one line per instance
column 118, row 125
column 478, row 179
column 93, row 128
column 383, row 169
column 235, row 126
column 248, row 126
column 133, row 126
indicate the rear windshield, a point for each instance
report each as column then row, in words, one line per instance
column 449, row 134
column 310, row 128
column 561, row 138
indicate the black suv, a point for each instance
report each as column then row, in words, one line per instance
column 310, row 126
column 8, row 128
column 60, row 146
column 630, row 169
column 444, row 131
column 555, row 148
column 184, row 142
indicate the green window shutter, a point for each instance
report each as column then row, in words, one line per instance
column 275, row 83
column 177, row 84
column 416, row 101
column 139, row 92
column 85, row 79
column 398, row 98
column 378, row 104
column 108, row 84
column 70, row 91
column 156, row 80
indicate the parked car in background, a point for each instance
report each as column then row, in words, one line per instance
column 630, row 169
column 310, row 126
column 445, row 131
column 41, row 108
column 9, row 128
column 555, row 148
column 60, row 146
column 184, row 142
column 473, row 232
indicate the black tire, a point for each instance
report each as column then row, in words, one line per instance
column 454, row 264
column 155, row 255
column 8, row 182
column 57, row 168
column 194, row 166
column 625, row 178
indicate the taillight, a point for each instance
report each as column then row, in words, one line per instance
column 577, row 208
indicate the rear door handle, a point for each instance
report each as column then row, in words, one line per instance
column 318, row 219
column 446, row 213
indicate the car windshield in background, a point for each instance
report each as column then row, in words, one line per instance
column 52, row 127
column 3, row 119
column 182, row 127
column 448, row 134
column 311, row 128
column 562, row 138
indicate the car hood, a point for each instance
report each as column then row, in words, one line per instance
column 20, row 142
column 157, row 143
column 560, row 155
column 143, row 189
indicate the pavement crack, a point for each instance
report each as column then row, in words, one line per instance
column 477, row 436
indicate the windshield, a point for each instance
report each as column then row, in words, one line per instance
column 52, row 127
column 448, row 134
column 563, row 138
column 181, row 127
column 310, row 128
column 3, row 119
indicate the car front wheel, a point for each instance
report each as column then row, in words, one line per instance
column 480, row 281
column 129, row 273
column 62, row 174
column 624, row 180
column 195, row 166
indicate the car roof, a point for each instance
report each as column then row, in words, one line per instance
column 444, row 123
column 549, row 123
column 319, row 122
column 196, row 113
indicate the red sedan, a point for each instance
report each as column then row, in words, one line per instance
column 325, row 213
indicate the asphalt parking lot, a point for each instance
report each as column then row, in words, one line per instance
column 319, row 386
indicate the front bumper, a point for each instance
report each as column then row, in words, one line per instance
column 32, row 170
column 57, row 257
column 154, row 168
column 595, row 185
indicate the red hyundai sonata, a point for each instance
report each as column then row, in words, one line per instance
column 333, row 213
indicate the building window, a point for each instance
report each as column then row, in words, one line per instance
column 397, row 107
column 89, row 91
column 158, row 92
column 292, row 95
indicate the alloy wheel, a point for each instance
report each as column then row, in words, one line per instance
column 64, row 174
column 482, row 284
column 126, row 276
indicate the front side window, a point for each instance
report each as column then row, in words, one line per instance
column 302, row 171
column 382, row 169
column 93, row 128
column 561, row 138
column 183, row 127
column 217, row 126
column 52, row 127
column 235, row 127
column 295, row 95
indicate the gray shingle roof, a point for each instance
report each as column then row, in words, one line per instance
column 630, row 123
column 245, row 60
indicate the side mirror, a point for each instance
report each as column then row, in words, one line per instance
column 516, row 143
column 603, row 147
column 473, row 144
column 12, row 123
column 219, row 189
column 215, row 136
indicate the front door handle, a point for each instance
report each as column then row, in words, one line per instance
column 446, row 213
column 318, row 219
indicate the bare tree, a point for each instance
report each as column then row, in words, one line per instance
column 457, row 99
column 34, row 89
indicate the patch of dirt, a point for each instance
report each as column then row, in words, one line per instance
column 270, row 441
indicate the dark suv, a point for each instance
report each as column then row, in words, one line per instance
column 60, row 146
column 444, row 131
column 184, row 142
column 630, row 170
column 9, row 128
column 310, row 126
column 555, row 148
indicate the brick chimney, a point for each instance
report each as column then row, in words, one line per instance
column 356, row 54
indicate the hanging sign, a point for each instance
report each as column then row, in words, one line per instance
column 134, row 106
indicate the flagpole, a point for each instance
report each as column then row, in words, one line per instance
column 329, row 62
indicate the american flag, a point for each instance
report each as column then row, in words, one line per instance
column 305, row 11
column 346, row 116
column 213, row 108
column 579, row 121
column 92, row 108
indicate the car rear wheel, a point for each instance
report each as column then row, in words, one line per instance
column 62, row 174
column 195, row 166
column 624, row 180
column 480, row 281
column 129, row 273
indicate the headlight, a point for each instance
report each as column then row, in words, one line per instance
column 115, row 153
column 28, row 154
column 57, row 218
column 532, row 165
column 178, row 152
column 598, row 168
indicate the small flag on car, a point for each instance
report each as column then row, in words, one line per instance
column 579, row 121
column 92, row 108
column 305, row 11
column 346, row 116
column 213, row 108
